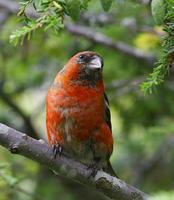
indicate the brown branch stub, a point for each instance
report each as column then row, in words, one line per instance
column 41, row 152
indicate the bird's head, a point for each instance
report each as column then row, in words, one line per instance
column 90, row 60
column 85, row 67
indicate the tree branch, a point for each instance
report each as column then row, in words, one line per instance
column 91, row 35
column 97, row 18
column 100, row 38
column 41, row 152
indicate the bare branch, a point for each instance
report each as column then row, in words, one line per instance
column 41, row 152
column 11, row 6
column 107, row 41
column 97, row 18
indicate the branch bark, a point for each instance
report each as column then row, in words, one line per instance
column 41, row 152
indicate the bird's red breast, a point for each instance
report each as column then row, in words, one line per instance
column 77, row 115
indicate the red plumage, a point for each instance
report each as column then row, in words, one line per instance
column 77, row 114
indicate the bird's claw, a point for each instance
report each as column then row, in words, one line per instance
column 94, row 169
column 57, row 150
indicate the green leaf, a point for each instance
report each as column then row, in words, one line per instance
column 106, row 4
column 73, row 8
column 158, row 8
column 19, row 35
column 162, row 9
column 84, row 4
column 37, row 4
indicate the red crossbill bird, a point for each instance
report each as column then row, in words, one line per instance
column 77, row 112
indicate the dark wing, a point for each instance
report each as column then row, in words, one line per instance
column 107, row 115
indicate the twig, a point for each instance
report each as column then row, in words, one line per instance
column 41, row 152
column 99, row 18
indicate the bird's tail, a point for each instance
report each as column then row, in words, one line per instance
column 110, row 170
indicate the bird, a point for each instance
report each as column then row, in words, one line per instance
column 78, row 118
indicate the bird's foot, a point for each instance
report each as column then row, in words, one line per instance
column 57, row 150
column 94, row 168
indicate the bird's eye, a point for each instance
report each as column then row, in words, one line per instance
column 82, row 56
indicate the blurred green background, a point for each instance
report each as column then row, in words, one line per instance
column 143, row 126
